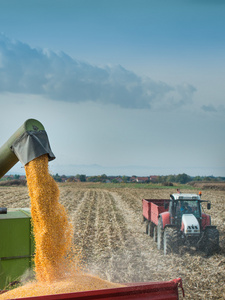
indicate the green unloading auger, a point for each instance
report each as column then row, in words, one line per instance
column 27, row 143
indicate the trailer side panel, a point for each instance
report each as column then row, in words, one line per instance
column 152, row 208
column 140, row 291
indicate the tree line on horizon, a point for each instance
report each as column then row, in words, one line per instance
column 163, row 179
column 180, row 178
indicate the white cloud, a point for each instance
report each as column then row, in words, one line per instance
column 213, row 108
column 59, row 77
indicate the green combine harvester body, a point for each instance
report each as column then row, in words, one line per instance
column 16, row 247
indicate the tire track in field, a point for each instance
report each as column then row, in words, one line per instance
column 109, row 235
column 83, row 220
column 113, row 229
column 116, row 224
column 120, row 259
column 102, row 250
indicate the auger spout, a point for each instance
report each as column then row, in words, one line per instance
column 27, row 143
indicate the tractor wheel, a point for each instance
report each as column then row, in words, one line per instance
column 155, row 234
column 160, row 234
column 211, row 241
column 170, row 240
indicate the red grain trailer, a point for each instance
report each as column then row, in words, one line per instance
column 167, row 290
column 152, row 208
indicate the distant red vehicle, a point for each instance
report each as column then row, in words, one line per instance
column 180, row 220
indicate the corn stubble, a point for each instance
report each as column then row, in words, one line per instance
column 58, row 265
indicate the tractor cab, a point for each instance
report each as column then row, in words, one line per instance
column 188, row 207
column 182, row 204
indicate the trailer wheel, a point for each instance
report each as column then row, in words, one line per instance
column 155, row 234
column 170, row 240
column 160, row 234
column 151, row 228
column 211, row 241
column 147, row 227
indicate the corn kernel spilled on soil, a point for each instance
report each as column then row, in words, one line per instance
column 58, row 265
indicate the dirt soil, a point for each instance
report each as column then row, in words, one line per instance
column 110, row 231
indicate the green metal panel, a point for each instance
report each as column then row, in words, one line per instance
column 7, row 157
column 16, row 245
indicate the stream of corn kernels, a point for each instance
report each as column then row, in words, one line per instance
column 58, row 265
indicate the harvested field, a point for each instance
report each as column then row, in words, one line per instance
column 109, row 230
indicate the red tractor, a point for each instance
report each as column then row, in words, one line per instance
column 178, row 221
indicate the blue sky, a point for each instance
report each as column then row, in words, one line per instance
column 122, row 87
